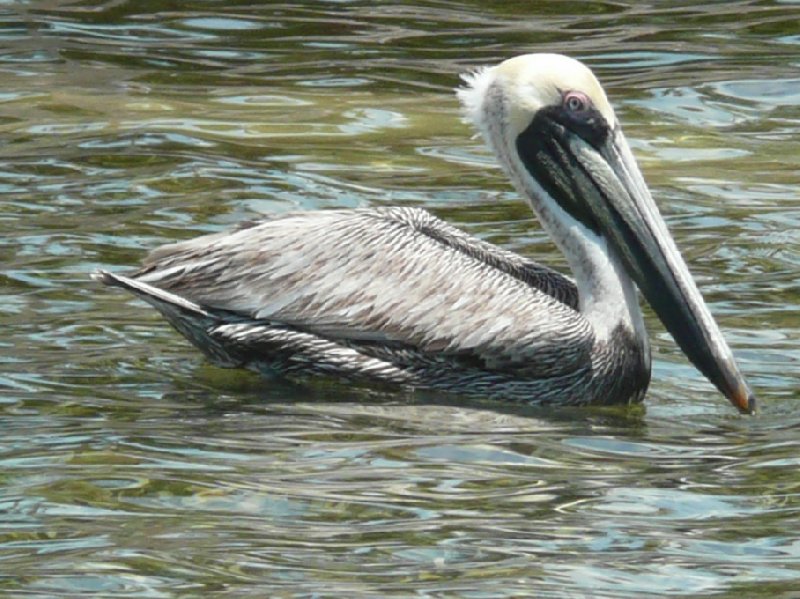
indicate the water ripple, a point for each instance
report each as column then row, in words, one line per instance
column 131, row 468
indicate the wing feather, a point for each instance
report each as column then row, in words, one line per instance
column 385, row 276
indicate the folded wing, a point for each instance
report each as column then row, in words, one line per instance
column 374, row 279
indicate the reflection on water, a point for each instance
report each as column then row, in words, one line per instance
column 131, row 468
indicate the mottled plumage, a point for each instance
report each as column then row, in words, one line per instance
column 391, row 294
column 398, row 296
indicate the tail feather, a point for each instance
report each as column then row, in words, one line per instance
column 154, row 296
column 190, row 319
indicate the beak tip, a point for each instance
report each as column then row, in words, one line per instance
column 751, row 404
column 745, row 402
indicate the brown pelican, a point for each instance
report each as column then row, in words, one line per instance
column 399, row 296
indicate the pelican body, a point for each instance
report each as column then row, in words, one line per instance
column 399, row 296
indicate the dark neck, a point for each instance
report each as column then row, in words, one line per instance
column 621, row 369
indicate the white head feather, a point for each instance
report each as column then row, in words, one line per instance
column 517, row 88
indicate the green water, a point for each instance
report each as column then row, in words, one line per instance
column 131, row 468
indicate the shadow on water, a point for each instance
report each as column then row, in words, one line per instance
column 411, row 412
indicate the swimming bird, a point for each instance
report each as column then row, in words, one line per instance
column 396, row 295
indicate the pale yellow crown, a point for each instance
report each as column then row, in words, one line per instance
column 525, row 84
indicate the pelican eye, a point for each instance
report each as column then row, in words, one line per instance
column 576, row 102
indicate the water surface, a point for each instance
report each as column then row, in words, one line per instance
column 130, row 468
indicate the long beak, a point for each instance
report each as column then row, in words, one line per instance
column 621, row 207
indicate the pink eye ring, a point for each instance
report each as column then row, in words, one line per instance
column 576, row 102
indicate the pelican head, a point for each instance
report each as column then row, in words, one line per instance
column 548, row 121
